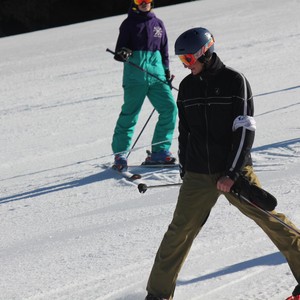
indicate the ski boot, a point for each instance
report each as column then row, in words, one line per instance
column 120, row 163
column 163, row 157
column 295, row 294
column 151, row 297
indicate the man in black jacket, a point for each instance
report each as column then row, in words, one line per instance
column 216, row 133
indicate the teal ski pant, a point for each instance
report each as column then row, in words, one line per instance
column 161, row 98
column 198, row 194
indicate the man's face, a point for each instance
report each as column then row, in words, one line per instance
column 191, row 62
column 196, row 68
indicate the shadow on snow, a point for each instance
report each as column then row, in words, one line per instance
column 276, row 145
column 273, row 259
column 106, row 174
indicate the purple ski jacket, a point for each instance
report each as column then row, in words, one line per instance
column 145, row 34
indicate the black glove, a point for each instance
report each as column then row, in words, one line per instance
column 168, row 75
column 123, row 54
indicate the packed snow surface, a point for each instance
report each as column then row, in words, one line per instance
column 73, row 229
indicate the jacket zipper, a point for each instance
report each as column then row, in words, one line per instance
column 206, row 122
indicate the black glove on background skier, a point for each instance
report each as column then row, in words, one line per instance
column 123, row 54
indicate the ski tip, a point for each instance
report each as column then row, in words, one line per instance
column 136, row 176
column 142, row 188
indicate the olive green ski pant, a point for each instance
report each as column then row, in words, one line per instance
column 198, row 194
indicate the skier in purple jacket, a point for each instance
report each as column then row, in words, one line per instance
column 143, row 41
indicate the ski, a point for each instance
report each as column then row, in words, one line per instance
column 162, row 166
column 130, row 176
column 133, row 176
column 127, row 174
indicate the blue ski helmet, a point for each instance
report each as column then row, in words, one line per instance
column 196, row 41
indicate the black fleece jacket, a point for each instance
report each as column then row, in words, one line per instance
column 208, row 104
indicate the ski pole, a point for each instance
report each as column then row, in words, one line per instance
column 265, row 212
column 143, row 188
column 145, row 71
column 141, row 132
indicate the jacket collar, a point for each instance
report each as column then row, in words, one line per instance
column 213, row 68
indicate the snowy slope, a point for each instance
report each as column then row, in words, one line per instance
column 71, row 229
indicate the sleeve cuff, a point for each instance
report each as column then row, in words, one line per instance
column 233, row 175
